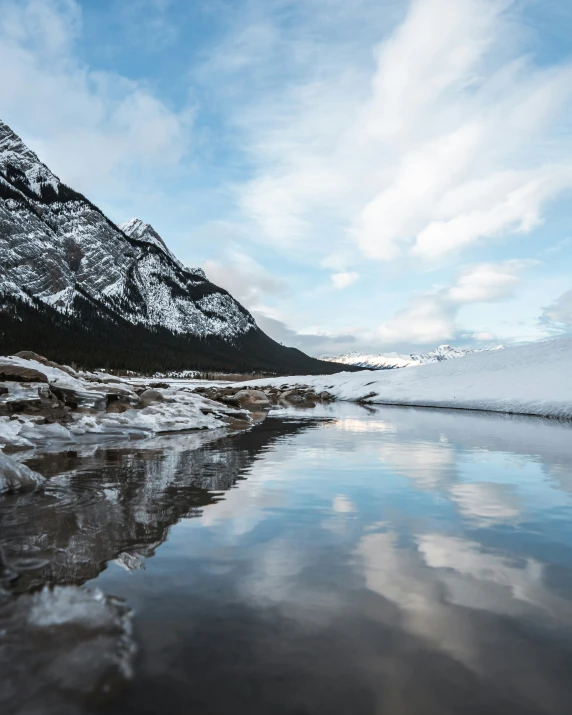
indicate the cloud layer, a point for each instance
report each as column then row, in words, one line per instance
column 454, row 137
column 97, row 129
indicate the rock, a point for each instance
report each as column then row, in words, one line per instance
column 292, row 396
column 252, row 399
column 149, row 396
column 63, row 647
column 15, row 477
column 160, row 385
column 30, row 355
column 17, row 373
column 117, row 407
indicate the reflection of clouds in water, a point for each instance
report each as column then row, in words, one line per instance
column 284, row 573
column 341, row 504
column 242, row 508
column 536, row 439
column 352, row 424
column 487, row 501
column 435, row 585
column 430, row 465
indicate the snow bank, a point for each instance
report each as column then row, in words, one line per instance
column 534, row 379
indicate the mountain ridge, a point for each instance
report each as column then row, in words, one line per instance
column 67, row 267
column 393, row 360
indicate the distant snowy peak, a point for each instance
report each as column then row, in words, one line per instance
column 390, row 361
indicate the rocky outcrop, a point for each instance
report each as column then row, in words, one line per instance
column 265, row 397
column 68, row 407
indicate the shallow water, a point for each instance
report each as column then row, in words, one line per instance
column 341, row 560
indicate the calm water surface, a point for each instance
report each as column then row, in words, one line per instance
column 391, row 560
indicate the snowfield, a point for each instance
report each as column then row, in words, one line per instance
column 532, row 379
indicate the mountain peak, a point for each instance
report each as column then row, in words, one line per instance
column 138, row 229
column 20, row 166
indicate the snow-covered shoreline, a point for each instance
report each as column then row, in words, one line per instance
column 532, row 379
column 48, row 406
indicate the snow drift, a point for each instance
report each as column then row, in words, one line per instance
column 533, row 379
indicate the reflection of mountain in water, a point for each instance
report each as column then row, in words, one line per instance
column 119, row 503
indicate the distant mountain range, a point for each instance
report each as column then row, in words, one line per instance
column 76, row 287
column 390, row 361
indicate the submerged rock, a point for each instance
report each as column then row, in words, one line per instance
column 62, row 648
column 15, row 477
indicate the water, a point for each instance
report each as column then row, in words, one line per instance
column 347, row 561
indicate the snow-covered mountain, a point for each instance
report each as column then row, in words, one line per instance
column 56, row 245
column 60, row 253
column 389, row 361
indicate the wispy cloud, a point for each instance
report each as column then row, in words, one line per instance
column 96, row 129
column 432, row 317
column 451, row 136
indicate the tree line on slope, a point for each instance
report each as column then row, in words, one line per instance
column 88, row 338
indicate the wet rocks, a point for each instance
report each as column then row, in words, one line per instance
column 148, row 397
column 252, row 399
column 62, row 646
column 15, row 477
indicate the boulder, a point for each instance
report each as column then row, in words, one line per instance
column 149, row 397
column 252, row 399
column 117, row 407
column 15, row 477
column 31, row 355
column 17, row 373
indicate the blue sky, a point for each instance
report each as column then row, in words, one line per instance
column 371, row 175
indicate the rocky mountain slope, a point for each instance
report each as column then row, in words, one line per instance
column 389, row 361
column 78, row 287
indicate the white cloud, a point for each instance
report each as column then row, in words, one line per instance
column 558, row 316
column 343, row 280
column 454, row 136
column 431, row 318
column 484, row 336
column 95, row 129
column 244, row 278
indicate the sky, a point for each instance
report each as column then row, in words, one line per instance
column 363, row 175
